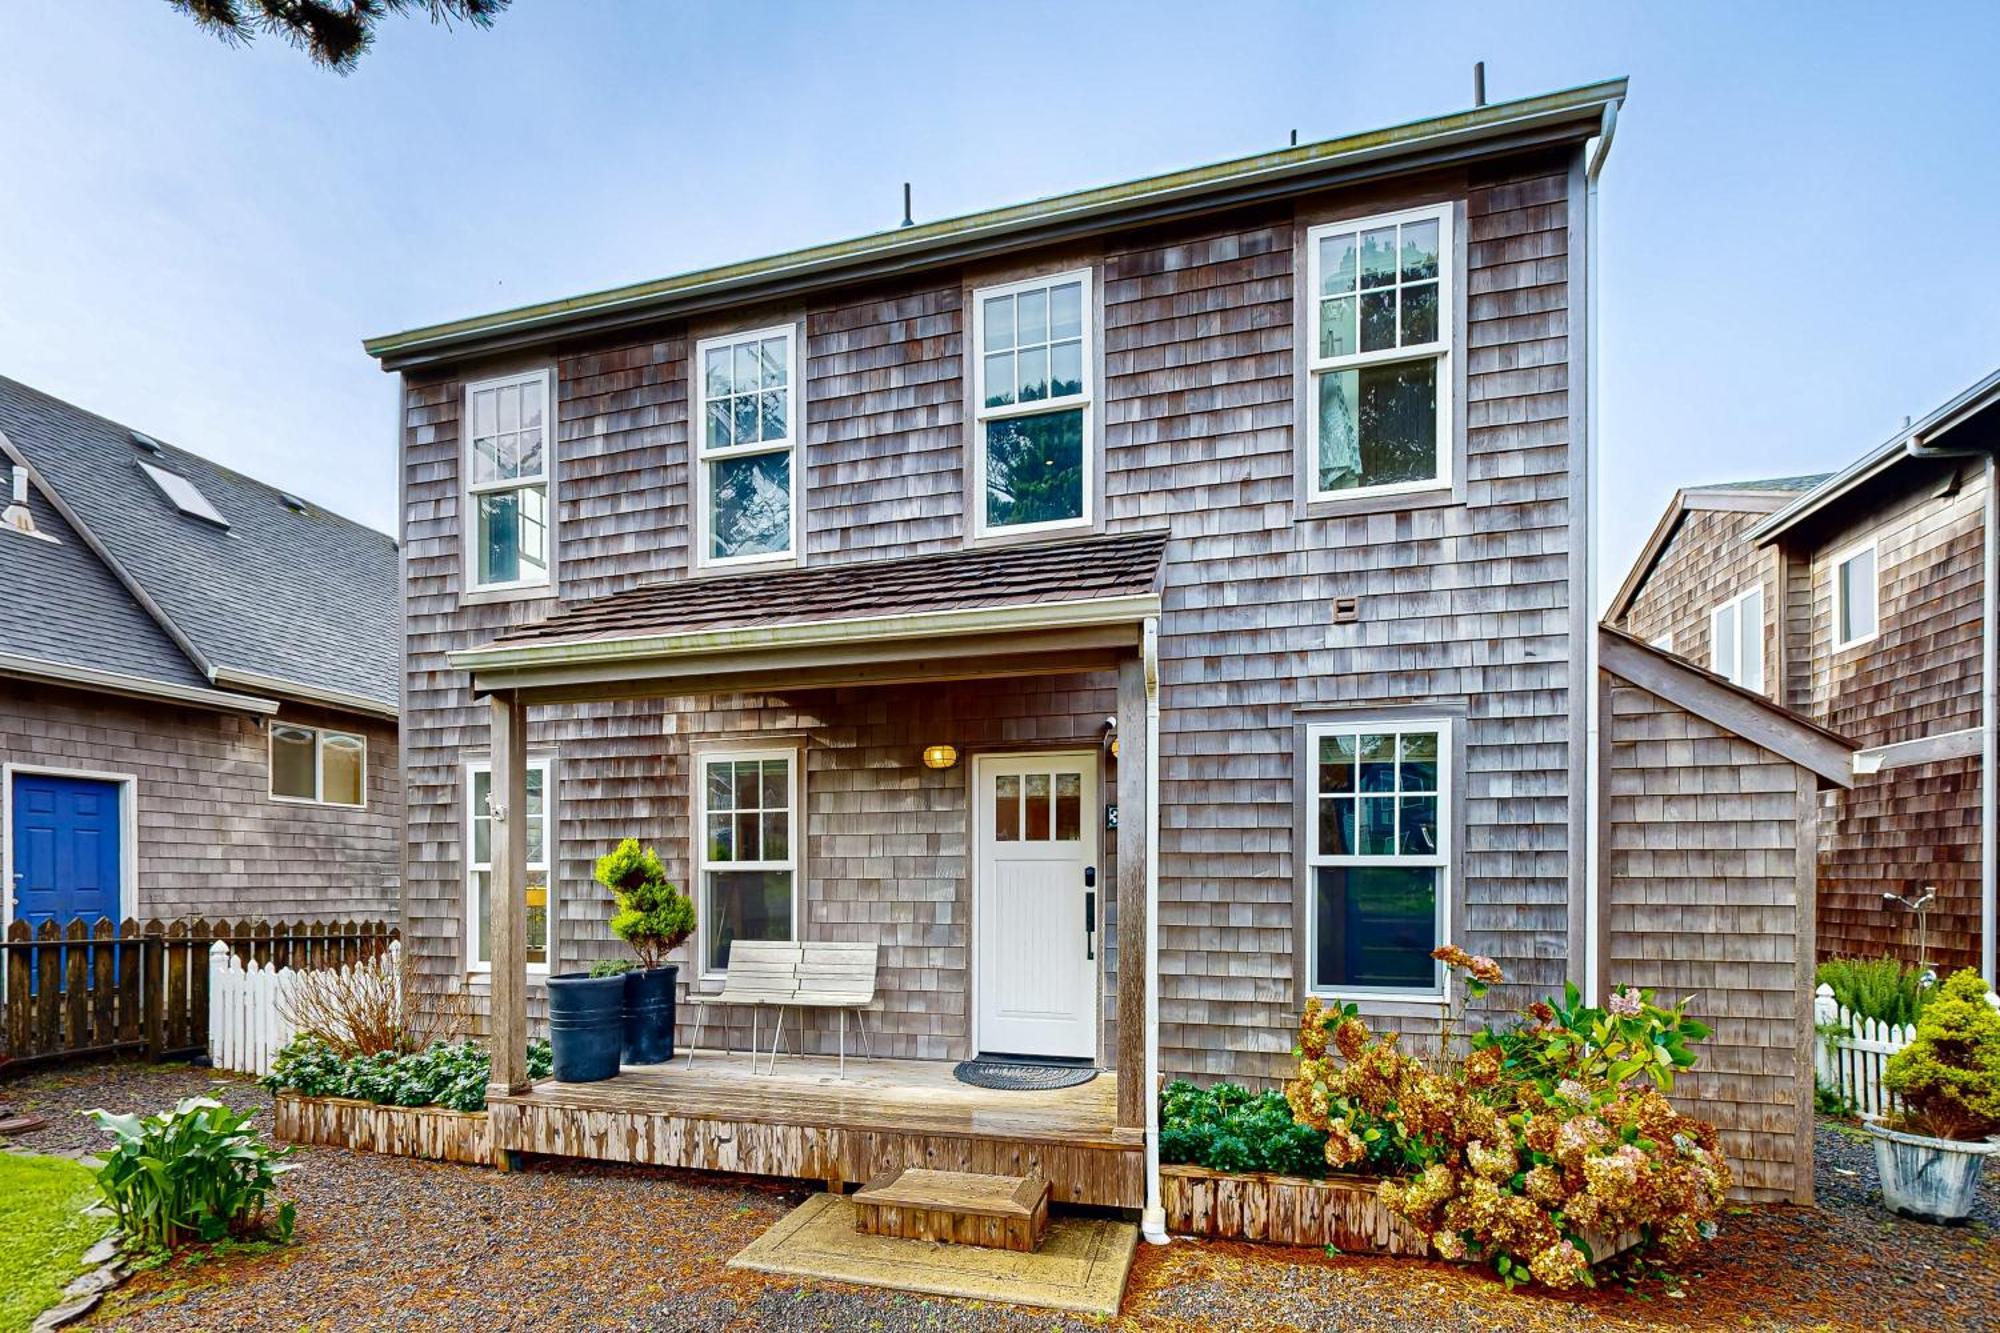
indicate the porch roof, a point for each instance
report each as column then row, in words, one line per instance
column 1040, row 607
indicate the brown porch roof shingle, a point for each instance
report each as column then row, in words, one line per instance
column 1090, row 569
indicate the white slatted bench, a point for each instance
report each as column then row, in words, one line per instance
column 840, row 977
column 762, row 974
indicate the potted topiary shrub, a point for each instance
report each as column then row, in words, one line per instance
column 655, row 918
column 1948, row 1080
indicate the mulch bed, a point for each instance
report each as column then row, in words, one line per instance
column 389, row 1243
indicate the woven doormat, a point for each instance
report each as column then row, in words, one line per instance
column 1021, row 1075
column 1081, row 1266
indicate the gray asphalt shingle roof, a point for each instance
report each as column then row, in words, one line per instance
column 309, row 598
column 1768, row 484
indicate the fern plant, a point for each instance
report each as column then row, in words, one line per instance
column 1887, row 990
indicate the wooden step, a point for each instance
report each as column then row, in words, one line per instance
column 955, row 1208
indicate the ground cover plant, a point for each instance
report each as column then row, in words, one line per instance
column 1885, row 989
column 1948, row 1077
column 451, row 1076
column 196, row 1173
column 44, row 1232
column 1228, row 1128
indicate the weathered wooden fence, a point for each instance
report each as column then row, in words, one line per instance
column 100, row 989
column 1852, row 1051
column 249, row 1005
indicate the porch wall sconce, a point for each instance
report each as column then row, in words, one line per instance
column 939, row 756
column 1111, row 735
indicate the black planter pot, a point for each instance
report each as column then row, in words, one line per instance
column 649, row 1015
column 586, row 1026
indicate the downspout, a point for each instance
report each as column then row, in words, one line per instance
column 1153, row 1220
column 1593, row 779
column 1989, row 740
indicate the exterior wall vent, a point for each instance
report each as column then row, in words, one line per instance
column 1346, row 610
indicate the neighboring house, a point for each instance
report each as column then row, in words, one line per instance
column 1184, row 578
column 1861, row 600
column 198, row 688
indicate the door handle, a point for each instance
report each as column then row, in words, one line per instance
column 1090, row 924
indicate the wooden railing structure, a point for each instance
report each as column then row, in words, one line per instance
column 143, row 987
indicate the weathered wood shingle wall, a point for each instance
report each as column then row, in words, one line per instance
column 1705, row 894
column 211, row 841
column 1707, row 562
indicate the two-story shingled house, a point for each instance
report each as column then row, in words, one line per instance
column 1864, row 600
column 1133, row 612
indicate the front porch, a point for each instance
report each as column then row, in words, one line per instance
column 804, row 1121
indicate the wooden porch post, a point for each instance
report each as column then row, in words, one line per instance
column 506, row 922
column 1132, row 852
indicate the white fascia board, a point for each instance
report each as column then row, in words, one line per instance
column 915, row 625
column 137, row 687
column 345, row 700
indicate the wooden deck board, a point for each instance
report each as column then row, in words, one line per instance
column 804, row 1121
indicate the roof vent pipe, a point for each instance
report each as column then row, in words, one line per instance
column 1479, row 83
column 908, row 221
column 17, row 515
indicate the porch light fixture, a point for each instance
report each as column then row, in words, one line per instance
column 939, row 756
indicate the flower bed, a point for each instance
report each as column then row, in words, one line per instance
column 434, row 1133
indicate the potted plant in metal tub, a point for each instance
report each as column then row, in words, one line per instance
column 1948, row 1079
column 655, row 918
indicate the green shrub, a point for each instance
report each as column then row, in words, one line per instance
column 654, row 916
column 198, row 1173
column 1228, row 1128
column 1949, row 1076
column 612, row 967
column 1885, row 989
column 450, row 1076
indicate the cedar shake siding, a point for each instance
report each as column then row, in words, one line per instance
column 1706, row 563
column 1465, row 613
column 211, row 841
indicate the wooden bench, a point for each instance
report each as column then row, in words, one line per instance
column 780, row 975
column 762, row 974
column 956, row 1208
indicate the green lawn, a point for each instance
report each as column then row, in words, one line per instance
column 43, row 1233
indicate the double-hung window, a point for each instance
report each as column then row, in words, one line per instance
column 1736, row 640
column 747, row 841
column 313, row 764
column 508, row 461
column 1379, row 347
column 747, row 425
column 1856, row 597
column 479, row 865
column 1378, row 857
column 1032, row 405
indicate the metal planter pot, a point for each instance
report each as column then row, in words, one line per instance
column 586, row 1026
column 649, row 1015
column 1932, row 1180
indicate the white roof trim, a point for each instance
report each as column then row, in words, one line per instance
column 138, row 687
column 314, row 694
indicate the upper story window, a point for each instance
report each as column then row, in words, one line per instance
column 746, row 410
column 508, row 468
column 325, row 767
column 1736, row 640
column 748, row 857
column 1856, row 597
column 1379, row 857
column 1381, row 320
column 1032, row 396
column 479, row 865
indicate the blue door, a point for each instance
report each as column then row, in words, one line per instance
column 67, row 859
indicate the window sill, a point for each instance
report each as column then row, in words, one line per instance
column 1083, row 527
column 482, row 977
column 709, row 569
column 1379, row 502
column 490, row 596
column 1377, row 1005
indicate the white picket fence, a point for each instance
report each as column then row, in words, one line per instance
column 247, row 1026
column 1850, row 1061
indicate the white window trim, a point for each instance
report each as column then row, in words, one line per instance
column 1733, row 608
column 703, row 454
column 1665, row 642
column 1442, row 349
column 547, row 764
column 794, row 795
column 1871, row 547
column 319, row 735
column 469, row 491
column 1441, row 860
column 981, row 414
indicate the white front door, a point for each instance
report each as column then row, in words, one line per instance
column 1035, row 834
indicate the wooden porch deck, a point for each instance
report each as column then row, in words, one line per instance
column 804, row 1122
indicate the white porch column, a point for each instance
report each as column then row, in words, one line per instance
column 506, row 922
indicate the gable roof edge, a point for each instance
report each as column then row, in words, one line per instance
column 1720, row 499
column 1731, row 707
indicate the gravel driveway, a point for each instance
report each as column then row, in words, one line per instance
column 386, row 1243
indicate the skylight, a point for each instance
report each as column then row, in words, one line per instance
column 184, row 495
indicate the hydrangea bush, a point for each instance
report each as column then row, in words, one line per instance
column 1551, row 1129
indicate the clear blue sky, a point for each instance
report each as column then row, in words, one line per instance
column 194, row 239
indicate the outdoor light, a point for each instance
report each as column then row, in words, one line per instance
column 939, row 756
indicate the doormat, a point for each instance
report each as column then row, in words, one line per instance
column 1021, row 1075
column 1081, row 1266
